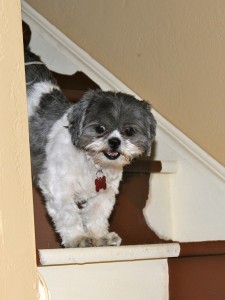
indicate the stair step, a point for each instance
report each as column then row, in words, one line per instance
column 107, row 254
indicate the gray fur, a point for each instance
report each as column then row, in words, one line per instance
column 114, row 111
column 51, row 108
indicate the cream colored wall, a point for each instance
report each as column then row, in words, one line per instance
column 17, row 250
column 171, row 53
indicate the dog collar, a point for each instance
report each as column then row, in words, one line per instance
column 100, row 180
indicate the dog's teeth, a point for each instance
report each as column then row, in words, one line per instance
column 112, row 153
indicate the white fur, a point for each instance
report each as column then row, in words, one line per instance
column 35, row 93
column 68, row 181
column 127, row 149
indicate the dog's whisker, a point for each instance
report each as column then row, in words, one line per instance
column 30, row 64
column 33, row 63
column 31, row 82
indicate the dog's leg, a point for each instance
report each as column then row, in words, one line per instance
column 68, row 223
column 88, row 228
column 66, row 216
column 95, row 217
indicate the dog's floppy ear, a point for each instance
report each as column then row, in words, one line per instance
column 151, row 125
column 152, row 131
column 76, row 116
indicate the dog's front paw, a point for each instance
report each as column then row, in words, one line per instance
column 113, row 239
column 80, row 242
column 110, row 239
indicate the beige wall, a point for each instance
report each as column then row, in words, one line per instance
column 171, row 53
column 17, row 250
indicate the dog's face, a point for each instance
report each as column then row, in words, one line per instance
column 112, row 127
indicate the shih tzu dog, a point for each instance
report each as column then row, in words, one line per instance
column 78, row 151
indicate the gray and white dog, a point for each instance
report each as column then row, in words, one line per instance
column 78, row 151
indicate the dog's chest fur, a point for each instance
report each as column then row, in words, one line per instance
column 76, row 172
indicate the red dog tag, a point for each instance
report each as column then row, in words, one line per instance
column 100, row 183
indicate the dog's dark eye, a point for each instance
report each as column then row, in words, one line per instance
column 100, row 129
column 129, row 131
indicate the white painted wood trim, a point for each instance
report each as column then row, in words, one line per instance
column 169, row 167
column 107, row 254
column 143, row 279
column 187, row 146
column 78, row 56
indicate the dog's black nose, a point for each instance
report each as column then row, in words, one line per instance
column 114, row 142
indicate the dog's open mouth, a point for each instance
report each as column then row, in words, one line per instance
column 112, row 155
